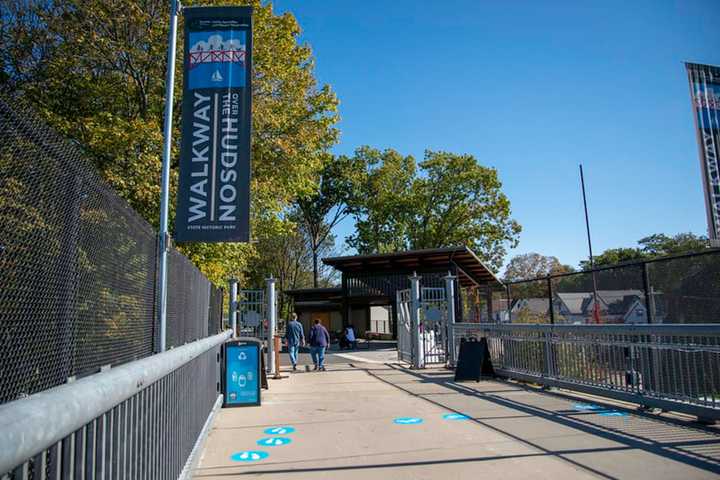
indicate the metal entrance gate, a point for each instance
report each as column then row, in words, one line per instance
column 433, row 325
column 423, row 339
column 404, row 328
column 252, row 307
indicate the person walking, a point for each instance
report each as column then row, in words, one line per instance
column 319, row 340
column 295, row 338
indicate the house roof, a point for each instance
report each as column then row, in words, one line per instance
column 429, row 259
column 574, row 301
column 616, row 301
column 537, row 306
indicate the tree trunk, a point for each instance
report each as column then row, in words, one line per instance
column 315, row 268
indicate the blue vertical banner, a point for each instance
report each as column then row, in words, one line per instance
column 241, row 378
column 705, row 93
column 213, row 201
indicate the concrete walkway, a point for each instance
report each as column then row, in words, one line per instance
column 344, row 429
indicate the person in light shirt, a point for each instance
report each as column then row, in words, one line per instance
column 350, row 336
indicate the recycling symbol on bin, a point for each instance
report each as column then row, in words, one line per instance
column 242, row 356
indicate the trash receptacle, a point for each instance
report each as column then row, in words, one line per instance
column 242, row 373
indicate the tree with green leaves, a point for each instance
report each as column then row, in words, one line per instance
column 286, row 254
column 533, row 265
column 95, row 70
column 614, row 256
column 446, row 200
column 652, row 246
column 660, row 244
column 380, row 209
column 457, row 201
column 324, row 208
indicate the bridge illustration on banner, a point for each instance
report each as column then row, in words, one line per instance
column 216, row 56
column 216, row 50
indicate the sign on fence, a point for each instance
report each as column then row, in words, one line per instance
column 214, row 191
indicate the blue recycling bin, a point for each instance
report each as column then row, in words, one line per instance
column 242, row 373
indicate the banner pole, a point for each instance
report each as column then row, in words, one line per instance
column 165, row 179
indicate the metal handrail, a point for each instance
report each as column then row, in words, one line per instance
column 654, row 329
column 672, row 367
column 33, row 424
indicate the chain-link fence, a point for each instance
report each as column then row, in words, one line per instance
column 678, row 289
column 78, row 266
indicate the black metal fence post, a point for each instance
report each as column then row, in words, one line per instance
column 550, row 300
column 648, row 294
column 509, row 303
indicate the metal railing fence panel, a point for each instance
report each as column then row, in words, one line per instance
column 675, row 367
column 685, row 290
column 139, row 420
column 188, row 305
column 78, row 266
column 530, row 302
column 215, row 315
column 676, row 289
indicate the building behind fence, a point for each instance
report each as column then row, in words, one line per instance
column 79, row 267
column 671, row 290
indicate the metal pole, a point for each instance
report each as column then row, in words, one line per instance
column 450, row 297
column 650, row 314
column 417, row 358
column 272, row 320
column 165, row 180
column 587, row 227
column 587, row 219
column 489, row 298
column 509, row 303
column 550, row 300
column 233, row 307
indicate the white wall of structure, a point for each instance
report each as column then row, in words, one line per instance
column 380, row 319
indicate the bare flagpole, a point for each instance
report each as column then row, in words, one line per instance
column 589, row 239
column 165, row 179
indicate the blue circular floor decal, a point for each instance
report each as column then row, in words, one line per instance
column 455, row 416
column 584, row 407
column 408, row 420
column 613, row 413
column 274, row 441
column 249, row 456
column 284, row 430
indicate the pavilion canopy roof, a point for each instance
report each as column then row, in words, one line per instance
column 471, row 269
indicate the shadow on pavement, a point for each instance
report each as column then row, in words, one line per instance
column 689, row 444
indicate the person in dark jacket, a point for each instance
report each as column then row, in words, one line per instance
column 319, row 340
column 295, row 338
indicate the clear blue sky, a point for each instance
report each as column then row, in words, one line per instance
column 532, row 88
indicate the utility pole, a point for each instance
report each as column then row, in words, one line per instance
column 596, row 308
